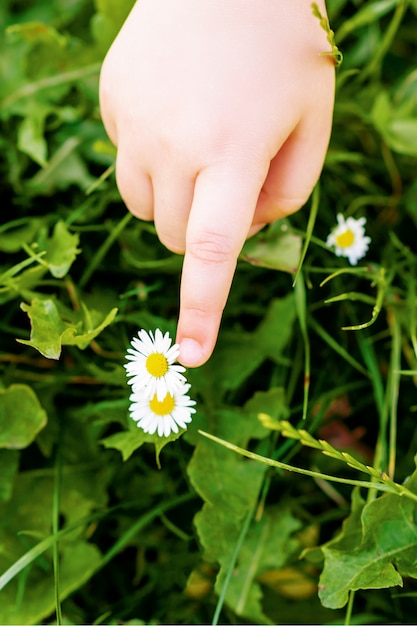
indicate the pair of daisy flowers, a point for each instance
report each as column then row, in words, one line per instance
column 159, row 401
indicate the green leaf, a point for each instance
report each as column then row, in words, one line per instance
column 275, row 330
column 274, row 248
column 30, row 138
column 9, row 463
column 267, row 546
column 77, row 565
column 376, row 548
column 61, row 250
column 108, row 20
column 13, row 234
column 370, row 12
column 50, row 332
column 21, row 417
column 128, row 441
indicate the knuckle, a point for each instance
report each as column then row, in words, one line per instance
column 174, row 244
column 211, row 248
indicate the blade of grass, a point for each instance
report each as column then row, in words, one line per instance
column 315, row 200
column 55, row 529
column 49, row 541
column 104, row 248
column 301, row 309
column 231, row 568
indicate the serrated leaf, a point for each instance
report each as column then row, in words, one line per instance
column 377, row 547
column 49, row 332
column 21, row 417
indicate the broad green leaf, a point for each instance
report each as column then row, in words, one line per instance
column 275, row 248
column 9, row 463
column 377, row 547
column 229, row 487
column 267, row 546
column 272, row 402
column 236, row 357
column 50, row 332
column 275, row 330
column 61, row 250
column 21, row 417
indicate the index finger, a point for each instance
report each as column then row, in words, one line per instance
column 221, row 215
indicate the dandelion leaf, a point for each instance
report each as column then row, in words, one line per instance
column 229, row 486
column 21, row 417
column 50, row 331
column 267, row 546
column 376, row 548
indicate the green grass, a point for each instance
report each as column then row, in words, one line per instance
column 293, row 492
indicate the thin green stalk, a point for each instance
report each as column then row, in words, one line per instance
column 309, row 230
column 55, row 529
column 104, row 248
column 238, row 546
column 393, row 388
column 337, row 347
column 385, row 44
column 348, row 616
column 301, row 309
column 388, row 487
column 50, row 81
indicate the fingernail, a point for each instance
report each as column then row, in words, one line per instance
column 191, row 353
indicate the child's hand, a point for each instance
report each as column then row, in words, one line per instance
column 221, row 111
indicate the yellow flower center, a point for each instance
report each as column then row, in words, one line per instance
column 346, row 239
column 157, row 365
column 162, row 408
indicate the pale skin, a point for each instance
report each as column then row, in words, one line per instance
column 221, row 111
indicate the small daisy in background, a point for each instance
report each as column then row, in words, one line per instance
column 151, row 364
column 160, row 403
column 348, row 238
column 162, row 417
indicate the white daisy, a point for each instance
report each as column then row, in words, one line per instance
column 349, row 239
column 150, row 366
column 163, row 417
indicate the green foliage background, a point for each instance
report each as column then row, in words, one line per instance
column 315, row 383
